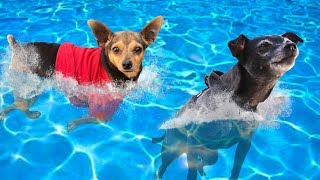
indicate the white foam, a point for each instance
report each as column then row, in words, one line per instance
column 222, row 107
column 149, row 83
column 27, row 85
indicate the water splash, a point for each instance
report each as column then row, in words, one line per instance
column 221, row 107
column 25, row 84
column 17, row 71
column 149, row 83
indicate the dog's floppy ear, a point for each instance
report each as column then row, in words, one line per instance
column 101, row 32
column 237, row 46
column 151, row 30
column 293, row 37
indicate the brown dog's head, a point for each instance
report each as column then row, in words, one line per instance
column 125, row 49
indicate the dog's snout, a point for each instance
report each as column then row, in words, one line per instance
column 127, row 64
column 291, row 46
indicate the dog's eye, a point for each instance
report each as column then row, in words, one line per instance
column 264, row 45
column 137, row 49
column 115, row 49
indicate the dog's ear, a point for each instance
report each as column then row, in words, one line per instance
column 101, row 32
column 293, row 37
column 237, row 46
column 151, row 30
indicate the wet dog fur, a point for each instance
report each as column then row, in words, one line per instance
column 261, row 63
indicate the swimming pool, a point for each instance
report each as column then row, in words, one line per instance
column 192, row 42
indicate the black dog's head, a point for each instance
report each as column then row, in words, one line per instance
column 266, row 55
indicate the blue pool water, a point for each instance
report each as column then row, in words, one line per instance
column 192, row 42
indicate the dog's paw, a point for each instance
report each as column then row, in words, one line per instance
column 2, row 115
column 201, row 172
column 71, row 126
column 33, row 114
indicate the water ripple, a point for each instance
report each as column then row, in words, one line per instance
column 192, row 42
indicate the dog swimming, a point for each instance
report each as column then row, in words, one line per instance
column 262, row 61
column 105, row 75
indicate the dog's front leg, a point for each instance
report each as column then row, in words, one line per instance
column 241, row 153
column 85, row 120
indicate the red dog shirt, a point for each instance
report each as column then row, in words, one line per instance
column 85, row 66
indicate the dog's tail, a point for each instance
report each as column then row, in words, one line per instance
column 159, row 139
column 12, row 42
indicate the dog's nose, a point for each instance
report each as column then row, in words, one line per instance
column 291, row 46
column 127, row 65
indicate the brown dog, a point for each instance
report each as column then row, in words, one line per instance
column 117, row 60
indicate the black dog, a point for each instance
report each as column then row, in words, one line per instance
column 261, row 62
